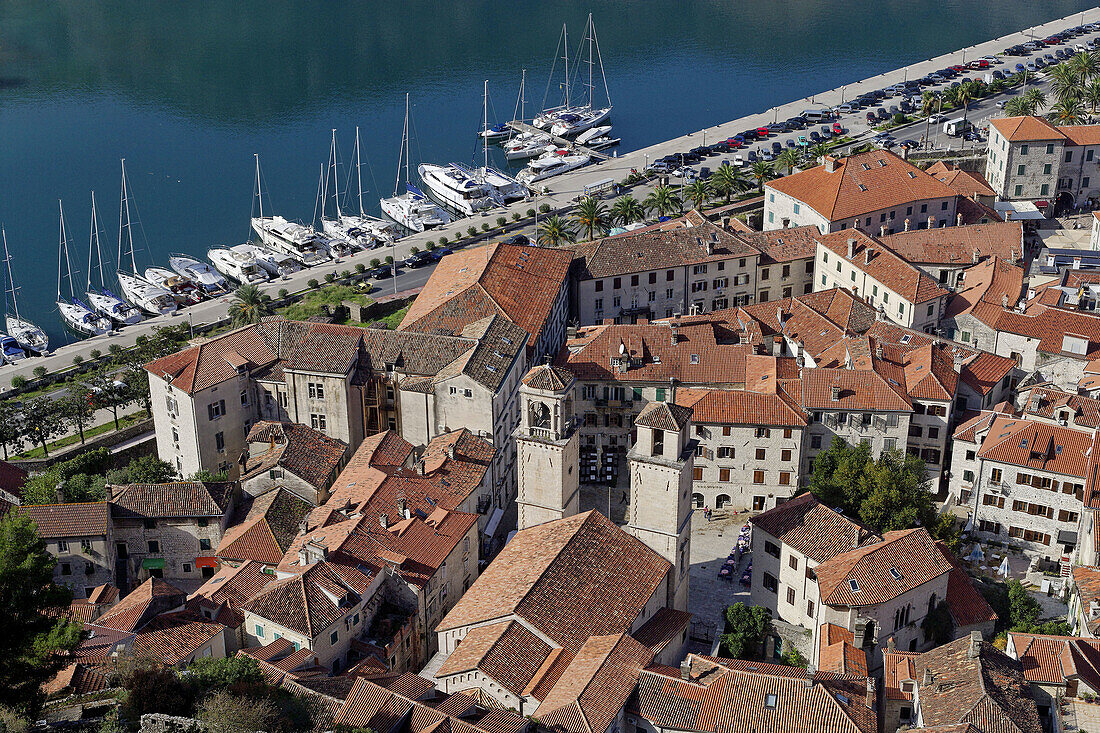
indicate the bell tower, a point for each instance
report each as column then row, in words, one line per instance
column 661, row 464
column 547, row 447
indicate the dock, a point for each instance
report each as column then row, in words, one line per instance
column 558, row 140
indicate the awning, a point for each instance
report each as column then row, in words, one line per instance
column 152, row 563
column 206, row 562
column 1042, row 204
column 494, row 522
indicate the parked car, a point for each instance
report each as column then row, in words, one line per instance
column 739, row 160
column 520, row 239
column 910, row 144
column 751, row 157
column 837, row 129
column 417, row 260
column 767, row 155
column 777, row 146
column 845, row 109
column 381, row 272
column 815, row 136
column 763, row 132
column 440, row 253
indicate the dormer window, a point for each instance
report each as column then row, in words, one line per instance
column 895, row 574
column 854, row 585
column 771, row 701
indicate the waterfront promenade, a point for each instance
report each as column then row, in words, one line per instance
column 562, row 191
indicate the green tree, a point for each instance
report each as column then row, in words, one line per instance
column 1068, row 111
column 819, row 151
column 152, row 687
column 1091, row 97
column 1023, row 609
column 627, row 210
column 761, row 172
column 1085, row 67
column 1017, row 107
column 41, row 421
column 249, row 305
column 726, row 181
column 209, row 476
column 698, row 192
column 591, row 216
column 33, row 637
column 793, row 658
column 76, row 410
column 746, row 627
column 662, row 201
column 1063, row 82
column 239, row 674
column 143, row 470
column 1036, row 100
column 555, row 231
column 938, row 624
column 788, row 159
column 11, row 428
column 223, row 712
column 106, row 391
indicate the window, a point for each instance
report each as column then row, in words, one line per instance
column 318, row 421
column 784, row 478
column 334, row 637
column 697, row 474
column 758, row 477
column 216, row 409
column 259, row 631
column 793, row 562
column 815, row 442
column 597, row 304
column 617, row 283
column 670, row 275
column 599, row 286
column 204, row 544
column 785, row 454
column 995, row 475
column 633, row 281
column 1085, row 182
column 62, row 546
column 796, row 208
column 724, row 474
column 1046, row 169
column 771, row 548
column 771, row 700
column 1018, row 191
column 219, row 441
column 726, row 452
column 790, row 596
column 316, row 391
column 809, row 608
column 669, row 294
column 1088, row 155
column 1024, row 149
column 1044, row 189
column 154, row 547
column 770, row 583
column 764, row 273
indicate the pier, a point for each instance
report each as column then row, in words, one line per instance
column 560, row 192
column 561, row 142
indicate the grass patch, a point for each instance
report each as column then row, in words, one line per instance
column 318, row 302
column 393, row 320
column 123, row 422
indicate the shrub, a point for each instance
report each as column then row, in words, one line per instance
column 431, row 245
column 501, row 221
column 414, row 250
column 530, row 212
column 544, row 208
column 375, row 262
column 899, row 119
column 443, row 240
column 78, row 360
column 18, row 381
column 39, row 372
column 360, row 268
column 345, row 274
column 485, row 226
column 471, row 231
column 114, row 349
column 283, row 292
column 313, row 283
column 330, row 277
column 516, row 216
column 223, row 712
column 389, row 260
column 95, row 353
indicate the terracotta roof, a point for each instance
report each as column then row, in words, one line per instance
column 967, row 605
column 861, row 184
column 228, row 590
column 265, row 528
column 569, row 579
column 173, row 499
column 103, row 594
column 519, row 283
column 812, row 528
column 1032, row 444
column 987, row 690
column 966, row 183
column 984, row 372
column 595, row 687
column 1048, row 325
column 662, row 628
column 741, row 407
column 12, row 478
column 1086, row 579
column 859, row 390
column 994, row 282
column 88, row 519
column 785, row 245
column 173, row 637
column 873, row 257
column 1024, row 129
column 838, row 652
column 370, row 705
column 878, row 572
column 308, row 454
column 152, row 597
column 548, row 378
column 303, row 602
column 1054, row 660
column 507, row 652
column 959, row 246
column 1050, row 403
column 898, row 667
column 729, row 696
column 664, row 416
column 687, row 240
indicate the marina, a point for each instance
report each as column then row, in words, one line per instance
column 290, row 251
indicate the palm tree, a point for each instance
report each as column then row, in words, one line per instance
column 789, row 158
column 1017, row 107
column 249, row 305
column 1068, row 112
column 725, row 181
column 698, row 192
column 663, row 201
column 819, row 151
column 1091, row 96
column 761, row 172
column 591, row 216
column 929, row 101
column 627, row 210
column 1063, row 82
column 1085, row 65
column 555, row 231
column 1036, row 100
column 965, row 92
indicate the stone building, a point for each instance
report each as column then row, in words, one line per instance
column 286, row 455
column 548, row 448
column 945, row 253
column 1057, row 668
column 81, row 537
column 786, row 265
column 1031, row 158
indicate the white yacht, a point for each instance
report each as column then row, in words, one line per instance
column 552, row 164
column 153, row 299
column 206, row 278
column 181, row 287
column 411, row 209
column 76, row 315
column 597, row 138
column 99, row 297
column 28, row 335
column 10, row 349
column 571, row 119
column 292, row 238
column 276, row 264
column 574, row 123
column 360, row 231
column 527, row 145
column 239, row 266
column 502, row 188
column 454, row 186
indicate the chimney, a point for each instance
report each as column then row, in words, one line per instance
column 675, row 339
column 851, row 248
column 878, row 351
column 975, row 644
column 959, row 220
column 109, row 492
column 906, row 224
column 882, row 230
column 725, row 222
column 868, row 252
column 779, row 315
column 871, row 688
column 836, row 393
column 403, row 507
column 303, row 527
column 384, row 520
column 1004, row 301
column 811, row 670
column 974, row 256
column 855, row 539
column 931, row 222
column 891, row 645
column 1094, row 609
column 451, row 451
column 1076, row 263
column 420, row 467
column 928, row 677
column 830, row 164
column 777, row 346
column 685, row 669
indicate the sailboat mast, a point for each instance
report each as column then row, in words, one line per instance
column 591, row 103
column 565, row 36
column 405, row 138
column 358, row 171
column 259, row 190
column 523, row 95
column 64, row 251
column 11, row 280
column 124, row 211
column 93, row 243
column 485, row 124
column 334, row 165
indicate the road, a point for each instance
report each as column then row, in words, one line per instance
column 563, row 191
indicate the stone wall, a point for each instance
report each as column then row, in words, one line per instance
column 106, row 440
column 160, row 723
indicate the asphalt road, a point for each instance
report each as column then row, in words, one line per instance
column 562, row 191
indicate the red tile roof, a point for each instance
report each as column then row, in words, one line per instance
column 306, row 453
column 88, row 519
column 993, row 282
column 663, row 628
column 569, row 579
column 873, row 257
column 152, row 597
column 879, row 572
column 812, row 528
column 1024, row 129
column 172, row 638
column 785, row 245
column 1031, row 444
column 967, row 605
column 740, row 407
column 228, row 590
column 861, row 184
column 838, row 652
column 507, row 652
column 1048, row 402
column 1048, row 325
column 266, row 528
column 1086, row 580
column 304, row 602
column 966, row 183
column 173, row 499
column 1053, row 660
column 898, row 667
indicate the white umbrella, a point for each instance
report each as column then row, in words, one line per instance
column 1003, row 569
column 976, row 555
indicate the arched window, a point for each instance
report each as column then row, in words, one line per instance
column 723, row 500
column 540, row 415
column 931, row 603
column 697, row 501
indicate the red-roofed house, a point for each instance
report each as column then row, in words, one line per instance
column 1057, row 668
column 1031, row 158
column 293, row 457
column 81, row 537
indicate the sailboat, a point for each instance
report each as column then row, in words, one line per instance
column 502, row 188
column 549, row 115
column 289, row 237
column 102, row 300
column 25, row 333
column 75, row 314
column 359, row 230
column 411, row 209
column 150, row 298
column 576, row 121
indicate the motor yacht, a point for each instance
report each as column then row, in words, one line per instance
column 239, row 266
column 208, row 280
column 277, row 264
column 552, row 164
column 456, row 187
column 181, row 287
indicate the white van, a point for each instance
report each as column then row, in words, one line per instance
column 955, row 127
column 816, row 115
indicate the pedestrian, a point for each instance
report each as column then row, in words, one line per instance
column 626, row 499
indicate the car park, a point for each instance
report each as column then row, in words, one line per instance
column 777, row 146
column 763, row 132
column 700, row 152
column 722, row 147
column 815, row 136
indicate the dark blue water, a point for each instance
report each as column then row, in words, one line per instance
column 187, row 92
